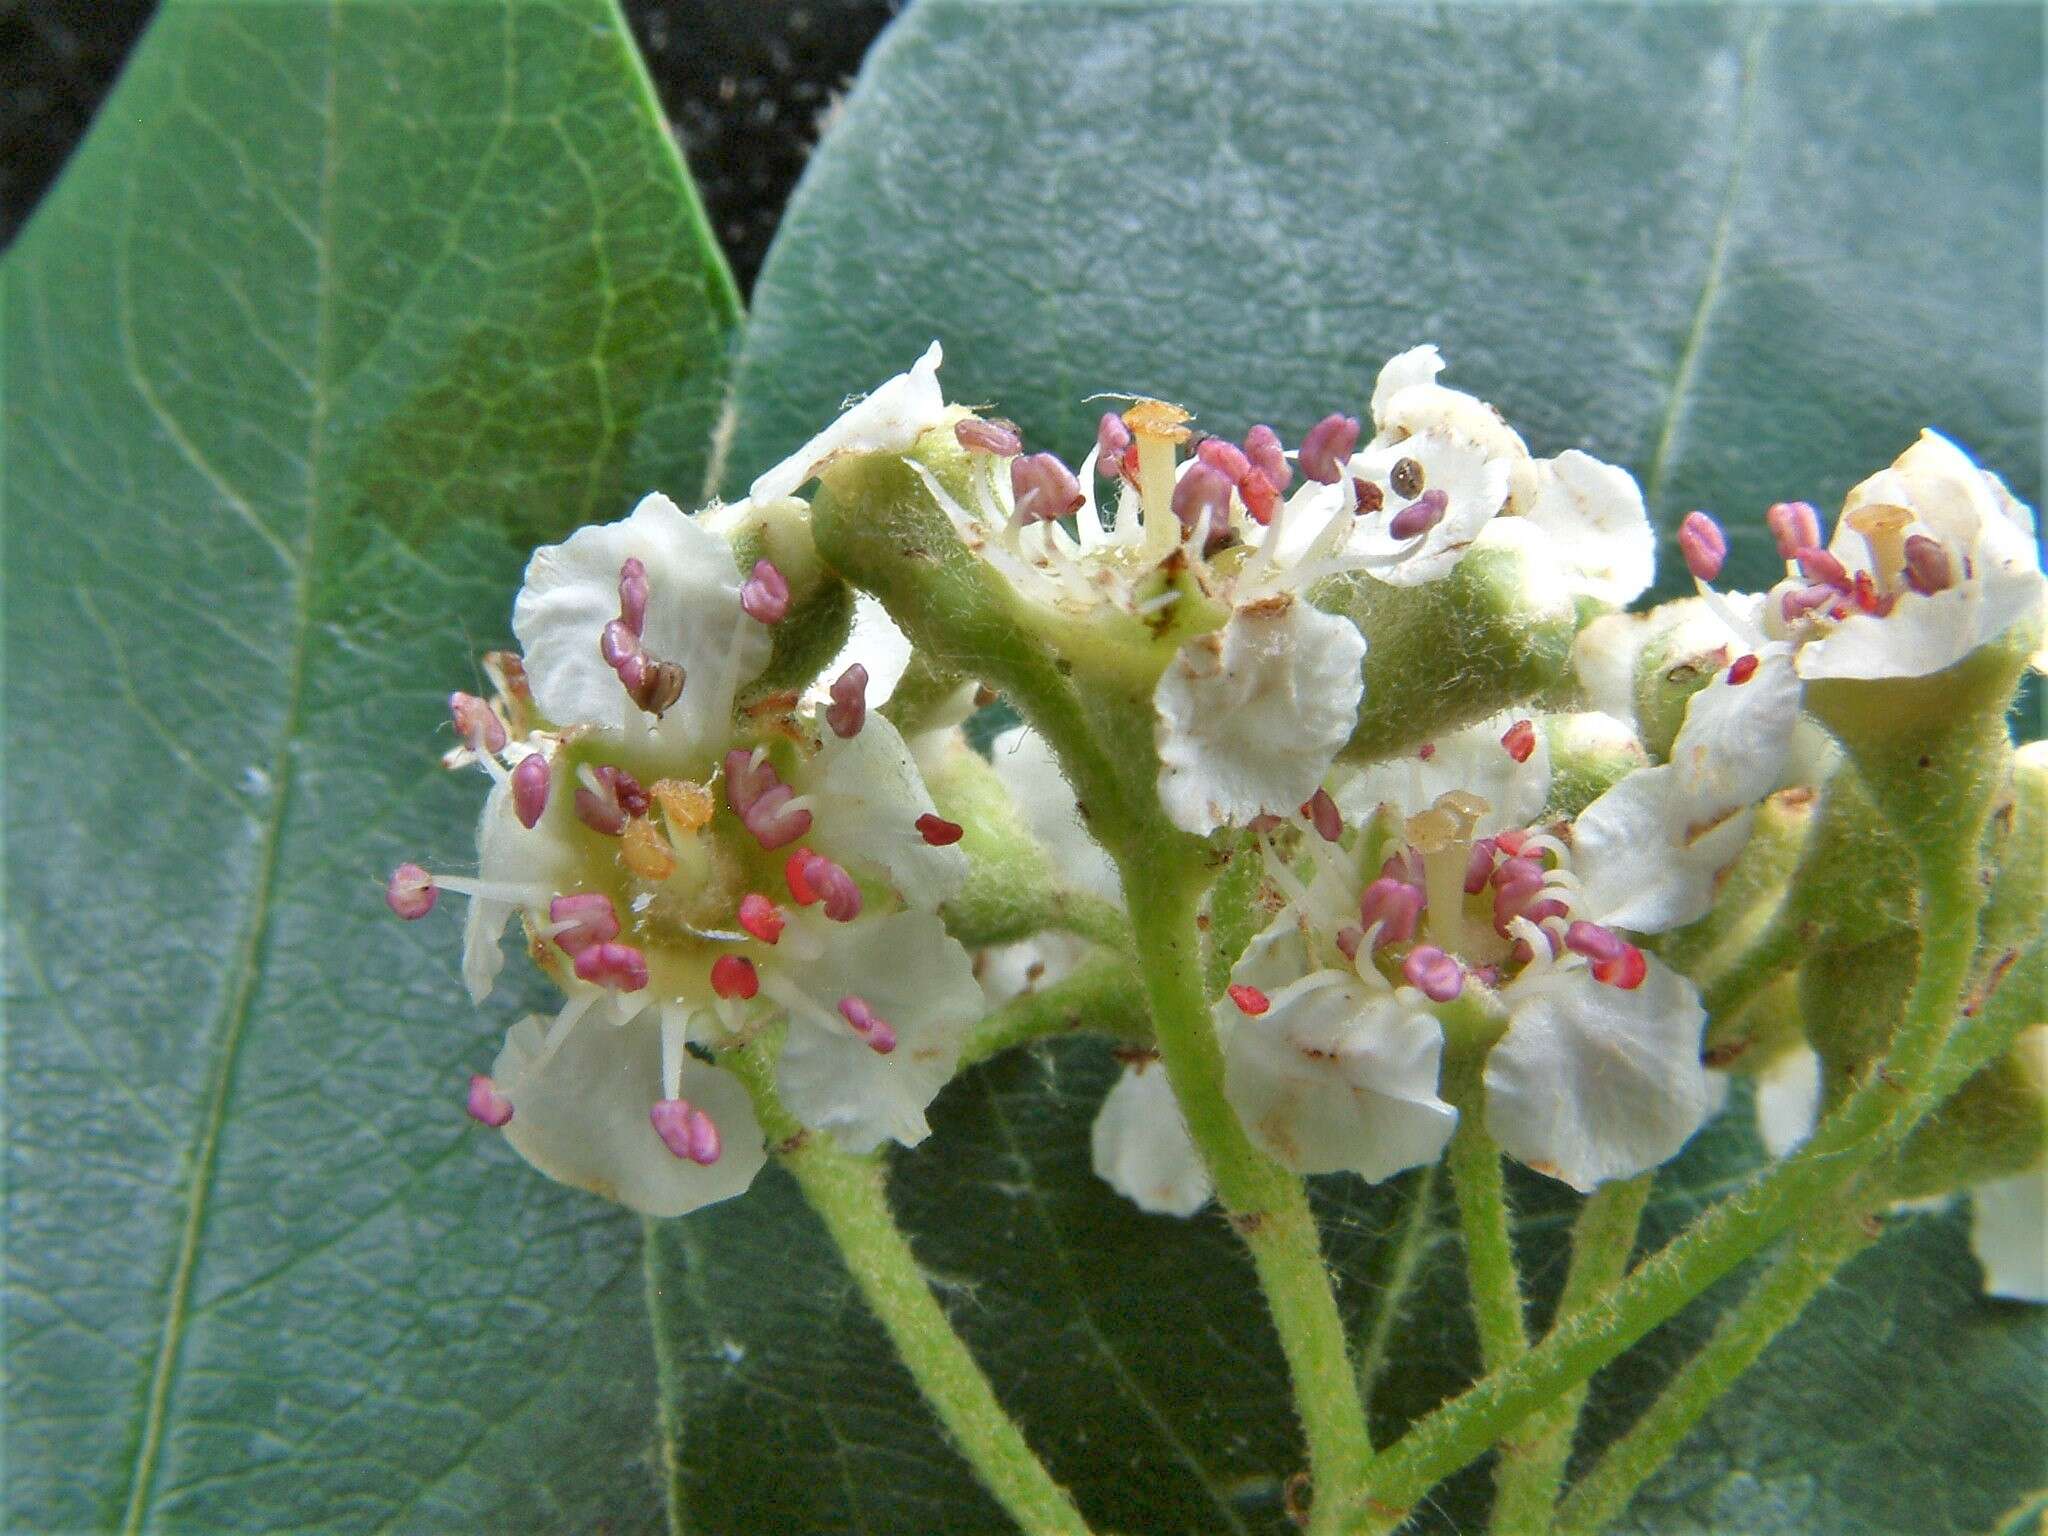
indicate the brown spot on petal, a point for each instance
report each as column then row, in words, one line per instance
column 1269, row 607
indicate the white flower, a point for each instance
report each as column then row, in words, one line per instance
column 693, row 621
column 1492, row 759
column 2009, row 1235
column 1249, row 719
column 1935, row 559
column 1141, row 1148
column 868, row 790
column 1608, row 653
column 890, row 420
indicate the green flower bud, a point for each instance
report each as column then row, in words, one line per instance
column 1590, row 752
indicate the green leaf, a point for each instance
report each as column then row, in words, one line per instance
column 338, row 311
column 1747, row 252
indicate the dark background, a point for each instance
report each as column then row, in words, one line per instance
column 744, row 85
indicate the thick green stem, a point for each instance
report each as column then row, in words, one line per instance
column 851, row 1197
column 1482, row 1197
column 1811, row 1258
column 1267, row 1205
column 1532, row 1466
column 1102, row 994
column 1871, row 1121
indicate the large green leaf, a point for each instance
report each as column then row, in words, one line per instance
column 1749, row 253
column 340, row 308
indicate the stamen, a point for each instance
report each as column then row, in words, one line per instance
column 760, row 917
column 1797, row 604
column 1202, row 494
column 1324, row 816
column 1328, row 447
column 477, row 723
column 938, row 831
column 1262, row 448
column 633, row 595
column 1704, row 546
column 1795, row 525
column 1625, row 971
column 507, row 672
column 1369, row 496
column 765, row 595
column 1112, row 438
column 848, row 711
column 1250, row 1000
column 979, row 435
column 1928, row 567
column 868, row 1024
column 1394, row 907
column 685, row 1130
column 620, row 967
column 531, row 779
column 486, row 1105
column 1820, row 565
column 1742, row 669
column 1594, row 942
column 410, row 892
column 1261, row 500
column 735, row 976
column 1226, row 458
column 588, row 918
column 606, row 797
column 675, row 1034
column 1479, row 865
column 1439, row 977
column 1043, row 489
column 762, row 801
column 1520, row 740
column 1421, row 514
column 795, row 872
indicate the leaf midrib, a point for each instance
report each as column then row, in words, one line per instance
column 231, row 1027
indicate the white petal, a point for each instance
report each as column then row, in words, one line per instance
column 693, row 619
column 1474, row 478
column 1025, row 763
column 1337, row 1076
column 1643, row 862
column 1471, row 759
column 509, row 854
column 914, row 975
column 890, row 420
column 1418, row 365
column 1593, row 515
column 1250, row 719
column 2009, row 1235
column 1592, row 1082
column 1006, row 971
column 1733, row 747
column 877, row 644
column 1430, row 407
column 583, row 1118
column 869, row 796
column 1141, row 1146
column 1788, row 1099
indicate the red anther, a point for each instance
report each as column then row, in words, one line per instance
column 868, row 1024
column 1250, row 1000
column 1348, row 940
column 848, row 711
column 1262, row 447
column 1819, row 565
column 1395, row 905
column 618, row 966
column 1260, row 499
column 633, row 596
column 765, row 594
column 1703, row 544
column 1742, row 669
column 1428, row 968
column 735, row 976
column 1226, row 458
column 591, row 918
column 1426, row 751
column 1043, row 489
column 1202, row 489
column 1324, row 816
column 1594, row 942
column 1520, row 740
column 1626, row 970
column 1129, row 467
column 410, row 892
column 618, row 796
column 688, row 1132
column 795, row 870
column 760, row 917
column 1868, row 598
column 837, row 891
column 476, row 723
column 1795, row 525
column 1421, row 514
column 1511, row 841
column 1327, row 447
column 1479, row 866
column 1370, row 497
column 632, row 798
column 486, row 1105
column 531, row 780
column 1928, row 566
column 938, row 831
column 1112, row 442
column 599, row 813
column 978, row 435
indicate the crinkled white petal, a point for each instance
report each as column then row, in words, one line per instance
column 868, row 796
column 1591, row 1082
column 693, row 619
column 913, row 974
column 1733, row 747
column 1024, row 761
column 1475, row 480
column 1431, row 407
column 1788, row 1099
column 1336, row 1075
column 1643, row 861
column 890, row 420
column 582, row 1119
column 1418, row 365
column 1250, row 718
column 1593, row 515
column 2009, row 1235
column 1141, row 1146
column 1471, row 759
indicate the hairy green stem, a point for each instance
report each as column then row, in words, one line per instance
column 1267, row 1206
column 1532, row 1467
column 1102, row 994
column 1482, row 1198
column 1811, row 1259
column 851, row 1197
